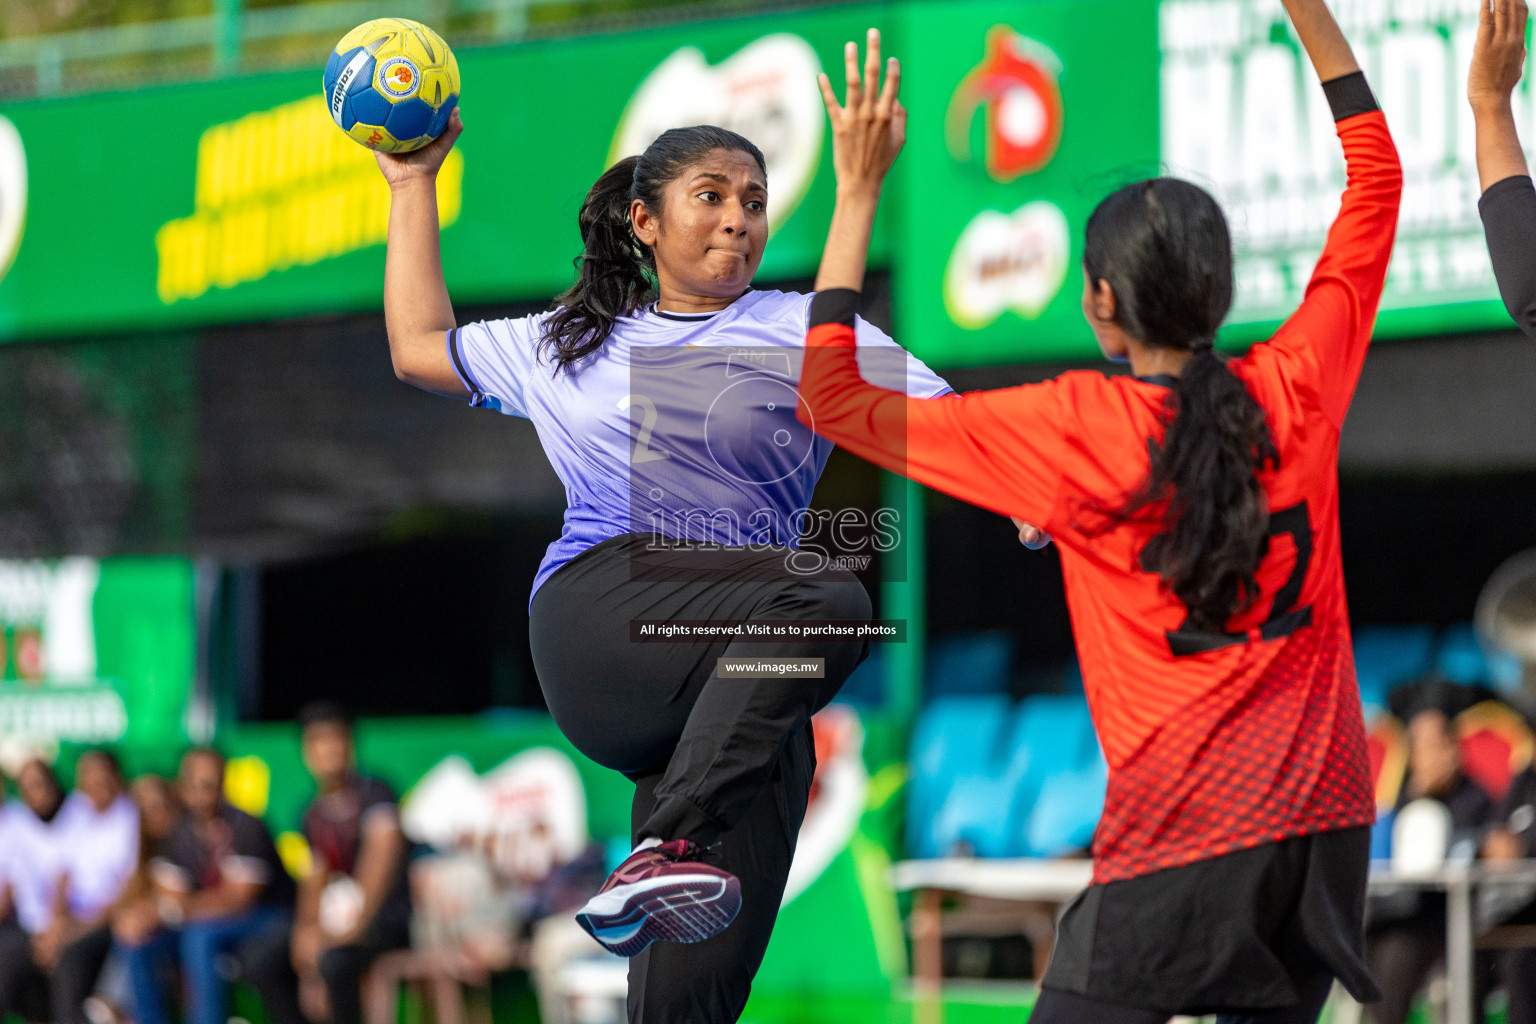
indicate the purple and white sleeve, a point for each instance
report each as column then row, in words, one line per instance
column 494, row 359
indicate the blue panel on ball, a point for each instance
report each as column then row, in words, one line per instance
column 363, row 76
column 443, row 113
column 409, row 119
column 334, row 65
column 368, row 106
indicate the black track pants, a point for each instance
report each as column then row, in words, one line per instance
column 725, row 762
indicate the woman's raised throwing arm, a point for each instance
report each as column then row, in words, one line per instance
column 1327, row 338
column 417, row 312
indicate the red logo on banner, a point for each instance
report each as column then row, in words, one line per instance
column 1016, row 82
column 29, row 655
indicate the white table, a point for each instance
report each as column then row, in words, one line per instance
column 1049, row 881
column 1052, row 881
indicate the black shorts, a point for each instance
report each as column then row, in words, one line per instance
column 1240, row 932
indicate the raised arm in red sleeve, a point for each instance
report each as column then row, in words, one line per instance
column 994, row 449
column 1327, row 338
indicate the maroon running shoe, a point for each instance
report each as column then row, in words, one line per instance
column 661, row 893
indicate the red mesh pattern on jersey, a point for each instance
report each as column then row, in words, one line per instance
column 1256, row 761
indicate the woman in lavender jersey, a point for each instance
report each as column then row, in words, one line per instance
column 662, row 388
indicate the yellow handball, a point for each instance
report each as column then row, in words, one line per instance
column 392, row 84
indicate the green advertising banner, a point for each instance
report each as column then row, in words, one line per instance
column 94, row 652
column 1242, row 114
column 1024, row 116
column 239, row 201
column 1020, row 117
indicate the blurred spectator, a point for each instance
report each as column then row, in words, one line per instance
column 66, row 861
column 1406, row 938
column 515, row 859
column 545, row 890
column 220, row 887
column 97, row 830
column 464, row 924
column 507, row 899
column 6, row 824
column 548, row 907
column 1514, row 838
column 136, row 915
column 355, row 904
column 30, row 944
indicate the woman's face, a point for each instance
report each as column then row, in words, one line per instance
column 98, row 780
column 158, row 810
column 708, row 238
column 37, row 789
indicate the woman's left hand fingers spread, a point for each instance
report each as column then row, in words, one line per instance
column 868, row 130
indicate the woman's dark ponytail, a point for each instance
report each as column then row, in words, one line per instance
column 1164, row 247
column 615, row 271
column 612, row 273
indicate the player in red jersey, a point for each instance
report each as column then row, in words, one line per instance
column 1195, row 505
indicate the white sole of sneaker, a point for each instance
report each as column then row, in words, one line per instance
column 676, row 908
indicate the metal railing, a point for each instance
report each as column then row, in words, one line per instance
column 230, row 41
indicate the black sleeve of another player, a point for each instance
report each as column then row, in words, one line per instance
column 378, row 797
column 1509, row 220
column 377, row 791
column 182, row 851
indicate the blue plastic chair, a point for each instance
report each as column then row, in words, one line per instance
column 1007, row 815
column 1066, row 811
column 976, row 813
column 1386, row 656
column 1381, row 835
column 986, row 809
column 954, row 737
column 1051, row 735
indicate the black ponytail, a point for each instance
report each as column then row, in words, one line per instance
column 615, row 272
column 1164, row 247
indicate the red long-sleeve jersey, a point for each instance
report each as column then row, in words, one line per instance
column 1215, row 742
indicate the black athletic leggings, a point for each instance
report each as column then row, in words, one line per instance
column 1058, row 1007
column 725, row 762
